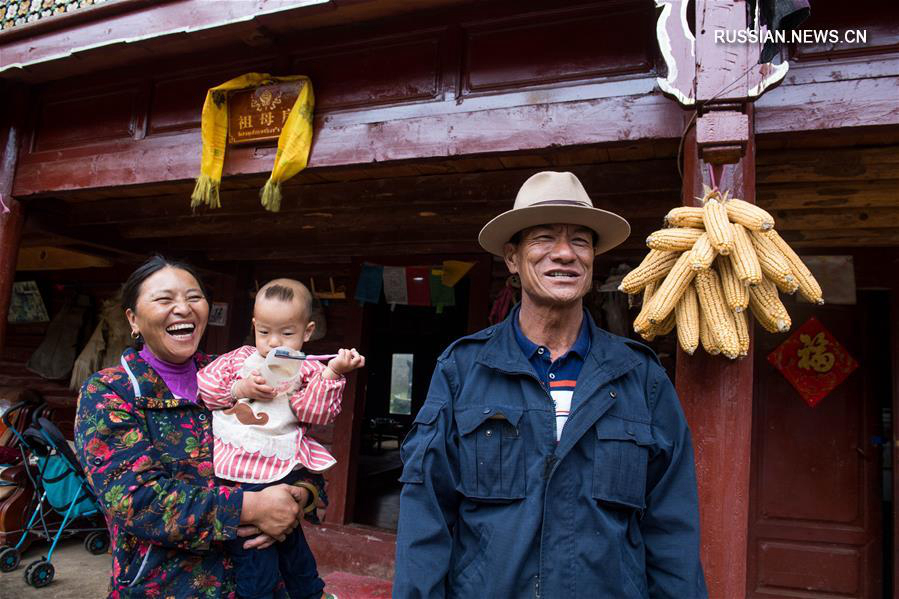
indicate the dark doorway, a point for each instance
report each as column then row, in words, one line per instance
column 404, row 343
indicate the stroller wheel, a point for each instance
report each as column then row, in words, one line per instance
column 9, row 559
column 97, row 542
column 40, row 573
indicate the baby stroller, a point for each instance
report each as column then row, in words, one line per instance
column 60, row 489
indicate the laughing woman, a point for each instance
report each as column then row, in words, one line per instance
column 146, row 445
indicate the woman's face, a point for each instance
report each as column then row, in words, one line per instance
column 171, row 314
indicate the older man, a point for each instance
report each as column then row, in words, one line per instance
column 551, row 458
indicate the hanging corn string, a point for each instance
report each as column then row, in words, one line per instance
column 707, row 266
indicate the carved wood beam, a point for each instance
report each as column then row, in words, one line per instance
column 720, row 79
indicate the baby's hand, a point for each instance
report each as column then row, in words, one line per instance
column 253, row 387
column 347, row 360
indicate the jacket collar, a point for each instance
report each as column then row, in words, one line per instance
column 153, row 392
column 581, row 344
column 609, row 357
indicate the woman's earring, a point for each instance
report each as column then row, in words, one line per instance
column 135, row 335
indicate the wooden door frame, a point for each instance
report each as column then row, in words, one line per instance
column 894, row 441
column 348, row 426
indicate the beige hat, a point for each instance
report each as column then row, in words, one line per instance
column 553, row 198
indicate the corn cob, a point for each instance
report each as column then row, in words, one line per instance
column 649, row 290
column 687, row 315
column 773, row 262
column 703, row 254
column 749, row 215
column 670, row 291
column 655, row 265
column 661, row 329
column 745, row 262
column 720, row 231
column 715, row 312
column 673, row 240
column 641, row 322
column 741, row 320
column 808, row 286
column 647, row 332
column 685, row 216
column 767, row 307
column 735, row 293
column 667, row 325
column 706, row 338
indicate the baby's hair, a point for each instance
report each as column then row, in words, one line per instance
column 287, row 290
column 280, row 292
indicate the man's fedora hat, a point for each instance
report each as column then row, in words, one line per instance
column 549, row 198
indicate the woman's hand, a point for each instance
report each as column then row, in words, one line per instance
column 256, row 539
column 253, row 387
column 260, row 540
column 275, row 510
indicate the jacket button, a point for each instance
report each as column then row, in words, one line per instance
column 98, row 461
column 486, row 410
column 612, row 394
column 488, row 432
column 201, row 417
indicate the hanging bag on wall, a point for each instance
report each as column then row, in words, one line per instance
column 105, row 346
column 55, row 355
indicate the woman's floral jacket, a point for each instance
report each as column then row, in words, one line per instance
column 148, row 457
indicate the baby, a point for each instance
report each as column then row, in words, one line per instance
column 260, row 430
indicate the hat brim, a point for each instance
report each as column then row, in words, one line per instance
column 610, row 228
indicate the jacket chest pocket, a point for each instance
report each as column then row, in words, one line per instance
column 620, row 459
column 491, row 453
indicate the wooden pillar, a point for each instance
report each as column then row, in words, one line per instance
column 348, row 425
column 721, row 81
column 11, row 216
column 894, row 359
column 716, row 394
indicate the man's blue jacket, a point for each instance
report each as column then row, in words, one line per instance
column 493, row 507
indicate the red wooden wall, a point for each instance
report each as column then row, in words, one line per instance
column 386, row 90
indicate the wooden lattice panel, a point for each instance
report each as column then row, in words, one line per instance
column 19, row 12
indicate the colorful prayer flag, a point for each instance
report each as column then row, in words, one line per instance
column 441, row 295
column 395, row 289
column 418, row 288
column 368, row 289
column 454, row 270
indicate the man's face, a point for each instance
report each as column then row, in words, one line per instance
column 554, row 263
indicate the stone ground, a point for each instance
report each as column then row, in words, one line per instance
column 80, row 575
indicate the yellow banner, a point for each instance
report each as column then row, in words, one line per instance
column 293, row 144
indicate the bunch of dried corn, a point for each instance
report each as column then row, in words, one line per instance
column 707, row 266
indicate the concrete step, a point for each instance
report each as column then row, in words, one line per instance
column 353, row 586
